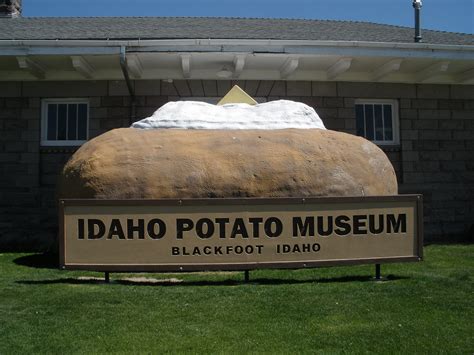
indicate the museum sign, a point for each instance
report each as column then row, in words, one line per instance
column 238, row 234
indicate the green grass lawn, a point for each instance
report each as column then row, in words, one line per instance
column 424, row 307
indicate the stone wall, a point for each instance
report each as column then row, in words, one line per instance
column 435, row 156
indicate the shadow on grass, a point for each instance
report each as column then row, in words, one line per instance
column 40, row 261
column 179, row 282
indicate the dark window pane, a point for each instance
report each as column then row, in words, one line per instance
column 369, row 122
column 62, row 117
column 360, row 129
column 52, row 122
column 82, row 122
column 378, row 122
column 388, row 122
column 72, row 122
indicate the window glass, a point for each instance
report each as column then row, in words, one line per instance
column 65, row 122
column 369, row 122
column 376, row 120
column 52, row 121
column 72, row 122
column 379, row 132
column 387, row 116
column 82, row 123
column 62, row 120
column 360, row 122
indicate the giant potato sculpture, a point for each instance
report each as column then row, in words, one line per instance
column 133, row 163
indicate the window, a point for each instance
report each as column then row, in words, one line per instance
column 377, row 120
column 64, row 122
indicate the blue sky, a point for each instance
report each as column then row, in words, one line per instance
column 444, row 15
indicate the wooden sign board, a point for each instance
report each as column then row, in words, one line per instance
column 239, row 234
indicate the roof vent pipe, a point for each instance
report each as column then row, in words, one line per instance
column 417, row 4
column 10, row 8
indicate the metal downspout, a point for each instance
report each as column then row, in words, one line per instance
column 123, row 65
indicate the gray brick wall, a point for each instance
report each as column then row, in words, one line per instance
column 435, row 156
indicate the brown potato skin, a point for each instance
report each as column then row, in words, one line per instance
column 130, row 163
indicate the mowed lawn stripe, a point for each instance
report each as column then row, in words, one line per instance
column 423, row 308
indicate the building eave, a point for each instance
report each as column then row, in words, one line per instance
column 257, row 59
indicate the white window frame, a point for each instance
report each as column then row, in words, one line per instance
column 395, row 118
column 44, row 122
